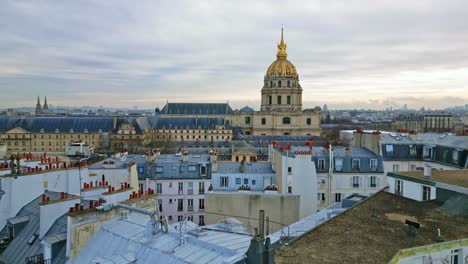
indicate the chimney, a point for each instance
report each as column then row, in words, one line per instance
column 185, row 156
column 347, row 150
column 214, row 159
column 115, row 122
column 242, row 166
column 12, row 164
column 261, row 224
column 427, row 171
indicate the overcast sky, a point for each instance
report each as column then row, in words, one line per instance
column 349, row 54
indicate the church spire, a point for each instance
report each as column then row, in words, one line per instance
column 38, row 106
column 45, row 107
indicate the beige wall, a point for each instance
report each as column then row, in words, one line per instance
column 274, row 123
column 81, row 226
column 244, row 206
column 368, row 140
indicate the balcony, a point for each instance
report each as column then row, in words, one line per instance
column 37, row 259
column 190, row 208
column 202, row 191
column 190, row 191
column 355, row 185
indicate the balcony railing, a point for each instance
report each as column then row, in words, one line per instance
column 190, row 191
column 190, row 208
column 37, row 259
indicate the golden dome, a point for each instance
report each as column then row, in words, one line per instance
column 281, row 67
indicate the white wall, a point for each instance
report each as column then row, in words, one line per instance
column 342, row 183
column 117, row 197
column 21, row 190
column 52, row 211
column 303, row 180
column 438, row 253
column 411, row 190
column 406, row 165
column 171, row 193
column 114, row 176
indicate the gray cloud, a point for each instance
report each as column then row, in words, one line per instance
column 121, row 53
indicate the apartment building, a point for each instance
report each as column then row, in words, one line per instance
column 180, row 181
column 343, row 171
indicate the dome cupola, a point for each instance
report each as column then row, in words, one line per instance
column 281, row 90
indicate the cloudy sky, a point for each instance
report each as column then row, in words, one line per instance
column 349, row 54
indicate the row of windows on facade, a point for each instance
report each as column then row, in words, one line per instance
column 194, row 137
column 199, row 131
column 356, row 182
column 224, row 181
column 180, row 204
column 355, row 164
column 338, row 196
column 286, row 120
column 16, row 137
column 201, row 188
column 279, row 100
column 427, row 152
column 426, row 190
column 180, row 218
column 279, row 84
column 57, row 143
column 71, row 130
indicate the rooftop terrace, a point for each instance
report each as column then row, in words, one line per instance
column 452, row 177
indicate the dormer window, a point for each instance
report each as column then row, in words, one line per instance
column 71, row 130
column 57, row 130
column 100, row 131
column 86, row 130
column 42, row 130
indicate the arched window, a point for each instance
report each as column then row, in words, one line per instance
column 286, row 120
column 289, row 83
column 279, row 83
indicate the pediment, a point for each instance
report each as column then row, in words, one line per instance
column 17, row 130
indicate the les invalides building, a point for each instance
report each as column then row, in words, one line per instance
column 281, row 110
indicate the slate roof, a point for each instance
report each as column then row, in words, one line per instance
column 19, row 249
column 246, row 109
column 50, row 124
column 185, row 122
column 172, row 167
column 105, row 124
column 457, row 142
column 126, row 240
column 395, row 138
column 452, row 141
column 197, row 109
column 249, row 168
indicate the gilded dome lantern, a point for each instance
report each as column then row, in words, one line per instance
column 281, row 90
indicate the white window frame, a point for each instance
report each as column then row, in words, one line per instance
column 373, row 181
column 389, row 148
column 338, row 164
column 224, row 182
column 321, row 164
column 356, row 180
column 373, row 164
column 358, row 164
column 426, row 193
